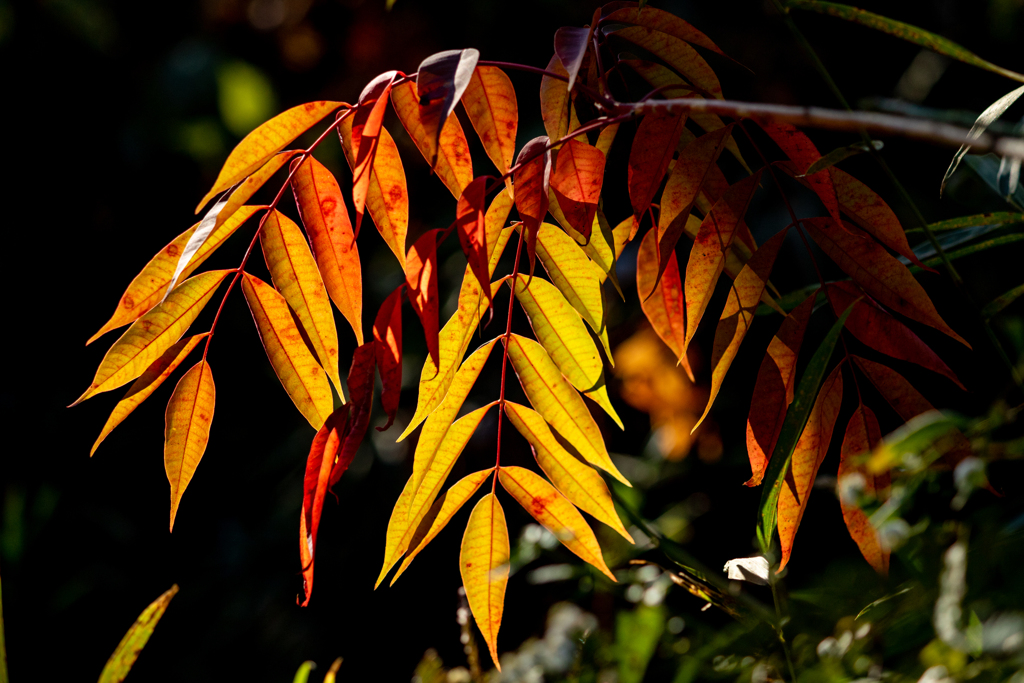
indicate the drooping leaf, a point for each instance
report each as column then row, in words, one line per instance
column 662, row 302
column 265, row 141
column 663, row 21
column 187, row 429
column 878, row 273
column 562, row 333
column 387, row 198
column 578, row 482
column 472, row 229
column 652, row 150
column 744, row 296
column 149, row 286
column 802, row 152
column 773, row 390
column 155, row 332
column 490, row 102
column 873, row 326
column 367, row 123
column 571, row 43
column 454, row 166
column 387, row 340
column 297, row 277
column 325, row 217
column 576, row 182
column 532, row 182
column 807, row 457
column 421, row 280
column 484, row 564
column 440, row 81
column 554, row 101
column 360, row 387
column 147, row 383
column 127, row 651
column 677, row 54
column 991, row 113
column 555, row 399
column 248, row 187
column 298, row 371
column 862, row 435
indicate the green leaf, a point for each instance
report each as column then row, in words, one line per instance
column 636, row 637
column 997, row 218
column 1002, row 301
column 796, row 418
column 302, row 675
column 973, row 249
column 837, row 155
column 120, row 663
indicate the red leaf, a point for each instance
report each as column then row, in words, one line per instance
column 571, row 46
column 360, row 396
column 661, row 21
column 440, row 81
column 532, row 181
column 387, row 344
column 802, row 152
column 862, row 435
column 421, row 277
column 469, row 220
column 366, row 125
column 652, row 150
column 873, row 326
column 662, row 302
column 576, row 181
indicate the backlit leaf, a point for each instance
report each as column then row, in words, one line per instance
column 600, row 246
column 555, row 399
column 127, row 651
column 606, row 137
column 472, row 229
column 802, row 152
column 440, row 81
column 677, row 54
column 265, row 141
column 248, row 187
column 571, row 44
column 187, row 429
column 300, row 374
column 652, row 150
column 490, row 102
column 555, row 513
column 421, row 279
column 387, row 340
column 532, row 181
column 662, row 302
column 360, row 387
column 367, row 123
column 862, row 435
column 484, row 565
column 996, row 218
column 152, row 334
column 576, row 182
column 554, row 101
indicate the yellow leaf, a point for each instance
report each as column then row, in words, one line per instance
column 396, row 540
column 299, row 373
column 152, row 334
column 187, row 429
column 558, row 515
column 580, row 483
column 297, row 277
column 559, row 329
column 599, row 247
column 244, row 192
column 558, row 402
column 120, row 663
column 484, row 565
column 265, row 141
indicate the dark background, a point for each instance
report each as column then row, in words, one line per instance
column 115, row 125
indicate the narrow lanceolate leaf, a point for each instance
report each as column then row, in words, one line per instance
column 554, row 101
column 571, row 44
column 421, row 279
column 662, row 301
column 802, row 152
column 297, row 277
column 576, row 182
column 187, row 429
column 773, row 390
column 265, row 141
column 454, row 165
column 881, row 275
column 663, row 21
column 149, row 286
column 395, row 543
column 841, row 154
column 562, row 333
column 483, row 562
column 367, row 123
column 555, row 513
column 325, row 217
column 490, row 102
column 440, row 513
column 300, row 375
column 873, row 326
column 578, row 482
column 907, row 32
column 472, row 229
column 319, row 463
column 993, row 307
column 559, row 404
column 152, row 334
column 652, row 150
column 127, row 651
column 862, row 435
column 147, row 383
column 532, row 181
column 440, row 81
column 360, row 387
column 387, row 198
column 677, row 54
column 195, row 243
column 707, row 257
column 247, row 188
column 740, row 307
column 996, row 218
column 991, row 113
column 387, row 345
column 808, row 454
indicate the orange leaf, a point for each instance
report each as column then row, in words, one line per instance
column 490, row 102
column 325, row 217
column 367, row 123
column 155, row 375
column 808, row 453
column 265, row 141
column 152, row 334
column 483, row 562
column 387, row 198
column 862, row 435
column 652, row 150
column 149, row 286
column 576, row 181
column 874, row 327
column 802, row 152
column 247, row 188
column 606, row 137
column 421, row 278
column 387, row 340
column 296, row 368
column 773, row 390
column 662, row 21
column 555, row 513
column 469, row 221
column 297, row 277
column 454, row 165
column 441, row 79
column 677, row 54
column 662, row 302
column 881, row 275
column 554, row 101
column 187, row 429
column 532, row 181
column 360, row 389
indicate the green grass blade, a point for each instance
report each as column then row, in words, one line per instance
column 993, row 307
column 120, row 663
column 997, row 218
column 973, row 249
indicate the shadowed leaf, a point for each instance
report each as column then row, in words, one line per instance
column 652, row 150
column 532, row 181
column 187, row 429
column 576, row 182
column 802, row 152
column 862, row 435
column 665, row 22
column 490, row 102
column 360, row 387
column 677, row 54
column 571, row 44
column 440, row 81
column 841, row 154
column 387, row 340
column 127, row 651
column 662, row 302
column 472, row 229
column 421, row 280
column 483, row 562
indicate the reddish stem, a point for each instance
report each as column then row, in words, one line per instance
column 504, row 357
